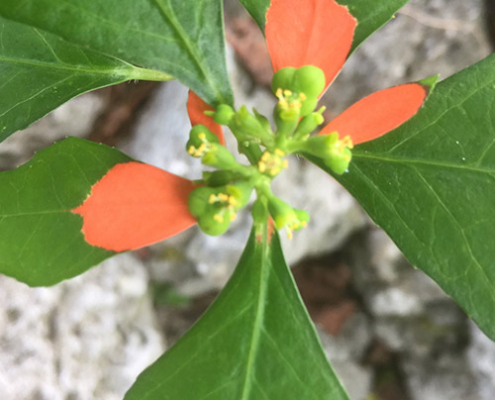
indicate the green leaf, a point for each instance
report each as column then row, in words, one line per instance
column 41, row 242
column 371, row 14
column 255, row 342
column 40, row 72
column 257, row 9
column 431, row 185
column 182, row 38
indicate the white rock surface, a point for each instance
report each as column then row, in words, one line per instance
column 84, row 339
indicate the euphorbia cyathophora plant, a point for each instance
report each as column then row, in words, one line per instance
column 428, row 182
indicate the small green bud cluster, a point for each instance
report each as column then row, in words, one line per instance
column 216, row 207
column 226, row 190
column 336, row 153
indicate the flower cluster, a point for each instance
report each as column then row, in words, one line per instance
column 308, row 46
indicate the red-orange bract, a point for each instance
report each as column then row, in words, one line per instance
column 135, row 205
column 320, row 33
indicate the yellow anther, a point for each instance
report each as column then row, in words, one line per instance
column 275, row 171
column 287, row 93
column 212, row 199
column 304, row 224
column 347, row 142
column 285, row 164
column 289, row 234
column 302, row 96
column 232, row 201
column 223, row 197
column 262, row 166
column 279, row 93
column 202, row 136
column 218, row 218
column 191, row 150
column 279, row 152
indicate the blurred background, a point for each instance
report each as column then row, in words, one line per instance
column 389, row 331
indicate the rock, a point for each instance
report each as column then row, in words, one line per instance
column 84, row 339
column 346, row 350
column 74, row 118
column 481, row 360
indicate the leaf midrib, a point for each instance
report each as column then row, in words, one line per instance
column 258, row 321
column 68, row 67
column 428, row 163
column 190, row 47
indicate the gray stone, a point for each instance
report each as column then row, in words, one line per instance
column 346, row 351
column 86, row 338
column 74, row 118
column 481, row 360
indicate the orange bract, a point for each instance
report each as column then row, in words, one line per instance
column 310, row 32
column 196, row 108
column 135, row 205
column 378, row 113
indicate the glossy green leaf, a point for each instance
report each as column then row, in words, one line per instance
column 431, row 185
column 257, row 9
column 41, row 242
column 182, row 38
column 40, row 72
column 371, row 14
column 255, row 342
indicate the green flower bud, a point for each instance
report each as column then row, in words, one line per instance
column 283, row 79
column 281, row 212
column 246, row 124
column 309, row 80
column 200, row 140
column 240, row 192
column 308, row 105
column 303, row 218
column 215, row 208
column 335, row 152
column 218, row 156
column 198, row 200
column 309, row 123
column 339, row 162
column 215, row 224
column 224, row 114
column 218, row 178
column 287, row 217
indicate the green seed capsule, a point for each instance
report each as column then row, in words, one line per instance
column 309, row 80
column 283, row 79
column 198, row 200
column 215, row 223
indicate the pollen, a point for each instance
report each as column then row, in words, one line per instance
column 347, row 142
column 289, row 234
column 218, row 218
column 232, row 201
column 224, row 198
column 279, row 152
